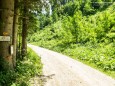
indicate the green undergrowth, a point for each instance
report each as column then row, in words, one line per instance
column 26, row 69
column 99, row 57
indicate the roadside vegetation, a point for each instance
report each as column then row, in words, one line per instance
column 82, row 35
column 26, row 69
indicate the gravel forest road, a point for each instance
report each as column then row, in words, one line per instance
column 64, row 71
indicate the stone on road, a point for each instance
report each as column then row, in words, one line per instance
column 64, row 71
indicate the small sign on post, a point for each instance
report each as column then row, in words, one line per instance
column 11, row 49
column 4, row 38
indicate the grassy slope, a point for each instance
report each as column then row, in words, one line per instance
column 99, row 55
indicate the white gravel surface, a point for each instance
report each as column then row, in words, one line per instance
column 64, row 71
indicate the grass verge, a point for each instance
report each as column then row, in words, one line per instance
column 99, row 57
column 26, row 69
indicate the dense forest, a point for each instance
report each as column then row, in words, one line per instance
column 81, row 29
column 17, row 64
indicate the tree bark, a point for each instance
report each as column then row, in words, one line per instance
column 24, row 30
column 15, row 31
column 6, row 23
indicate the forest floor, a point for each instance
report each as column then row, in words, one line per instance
column 60, row 70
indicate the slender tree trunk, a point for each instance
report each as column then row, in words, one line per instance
column 6, row 23
column 24, row 30
column 15, row 31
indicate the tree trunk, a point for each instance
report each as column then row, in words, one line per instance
column 15, row 31
column 6, row 23
column 24, row 30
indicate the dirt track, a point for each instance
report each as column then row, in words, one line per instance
column 64, row 71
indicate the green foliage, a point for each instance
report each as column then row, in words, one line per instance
column 25, row 70
column 103, row 57
column 6, row 78
column 2, row 64
column 28, row 68
column 80, row 29
column 70, row 8
column 44, row 21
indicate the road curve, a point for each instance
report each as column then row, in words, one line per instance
column 69, row 72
